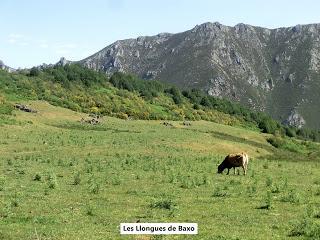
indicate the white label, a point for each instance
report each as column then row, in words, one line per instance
column 158, row 228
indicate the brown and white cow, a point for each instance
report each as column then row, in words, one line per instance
column 233, row 161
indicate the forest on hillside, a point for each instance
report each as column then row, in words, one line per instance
column 128, row 97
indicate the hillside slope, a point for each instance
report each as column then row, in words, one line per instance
column 128, row 97
column 273, row 70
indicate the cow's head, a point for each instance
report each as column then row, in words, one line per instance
column 220, row 168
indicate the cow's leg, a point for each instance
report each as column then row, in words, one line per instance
column 228, row 171
column 244, row 169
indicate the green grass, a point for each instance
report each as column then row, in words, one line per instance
column 64, row 180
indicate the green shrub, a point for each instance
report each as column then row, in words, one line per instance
column 52, row 180
column 306, row 227
column 34, row 72
column 276, row 141
column 275, row 188
column 89, row 210
column 196, row 106
column 268, row 125
column 205, row 102
column 269, row 181
column 167, row 204
column 290, row 132
column 291, row 197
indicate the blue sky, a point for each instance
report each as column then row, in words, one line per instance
column 41, row 31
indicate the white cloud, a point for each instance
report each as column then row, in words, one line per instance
column 41, row 46
column 19, row 39
column 12, row 41
column 14, row 38
column 23, row 41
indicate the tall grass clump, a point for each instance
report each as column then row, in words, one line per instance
column 307, row 226
column 76, row 178
column 219, row 192
column 52, row 180
column 167, row 204
column 2, row 183
column 292, row 197
column 268, row 204
column 37, row 177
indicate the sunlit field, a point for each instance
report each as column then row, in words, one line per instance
column 62, row 179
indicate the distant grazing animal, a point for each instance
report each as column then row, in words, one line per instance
column 233, row 161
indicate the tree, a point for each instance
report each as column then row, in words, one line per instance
column 268, row 125
column 205, row 102
column 34, row 72
column 176, row 95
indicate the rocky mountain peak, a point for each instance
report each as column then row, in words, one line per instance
column 63, row 61
column 209, row 27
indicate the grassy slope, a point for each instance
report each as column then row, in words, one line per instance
column 105, row 99
column 127, row 168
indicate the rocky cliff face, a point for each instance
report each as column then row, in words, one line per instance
column 273, row 70
column 4, row 67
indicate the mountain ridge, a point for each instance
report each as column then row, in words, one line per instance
column 273, row 70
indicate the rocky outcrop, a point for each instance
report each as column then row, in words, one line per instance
column 295, row 120
column 262, row 68
column 25, row 108
column 63, row 61
column 4, row 67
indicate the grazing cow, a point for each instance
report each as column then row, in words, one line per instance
column 233, row 161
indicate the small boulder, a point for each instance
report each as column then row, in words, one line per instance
column 186, row 123
column 168, row 124
column 93, row 120
column 24, row 108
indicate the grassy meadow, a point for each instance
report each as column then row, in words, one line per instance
column 62, row 179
